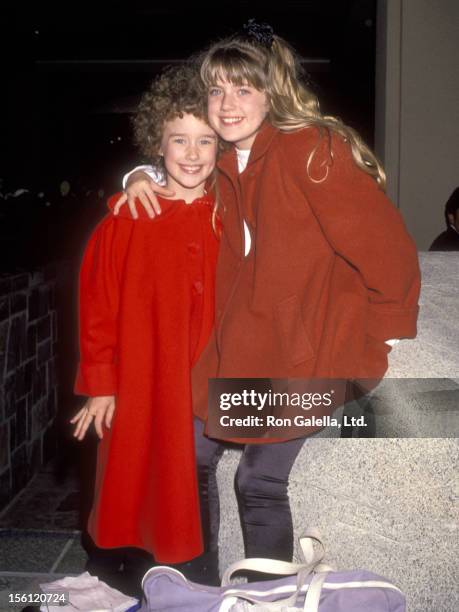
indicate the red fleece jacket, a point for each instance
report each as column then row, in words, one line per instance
column 146, row 312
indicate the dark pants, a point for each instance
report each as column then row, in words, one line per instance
column 261, row 488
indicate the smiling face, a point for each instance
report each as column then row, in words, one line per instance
column 189, row 148
column 236, row 112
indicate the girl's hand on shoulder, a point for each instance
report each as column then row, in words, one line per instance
column 140, row 186
column 99, row 410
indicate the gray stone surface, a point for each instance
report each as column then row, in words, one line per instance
column 74, row 561
column 45, row 505
column 417, row 407
column 387, row 505
column 434, row 352
column 29, row 551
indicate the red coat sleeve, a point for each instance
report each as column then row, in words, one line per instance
column 364, row 227
column 99, row 297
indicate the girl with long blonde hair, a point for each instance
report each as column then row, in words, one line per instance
column 316, row 271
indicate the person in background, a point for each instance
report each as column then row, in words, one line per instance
column 449, row 239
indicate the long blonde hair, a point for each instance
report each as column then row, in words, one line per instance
column 274, row 68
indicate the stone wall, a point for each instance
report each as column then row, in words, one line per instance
column 28, row 384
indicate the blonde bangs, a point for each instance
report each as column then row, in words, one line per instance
column 235, row 67
column 292, row 105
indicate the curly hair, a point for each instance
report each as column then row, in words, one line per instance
column 178, row 90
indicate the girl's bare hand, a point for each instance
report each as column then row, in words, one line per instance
column 141, row 186
column 98, row 410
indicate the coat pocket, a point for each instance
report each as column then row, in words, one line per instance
column 295, row 344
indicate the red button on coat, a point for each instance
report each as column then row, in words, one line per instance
column 198, row 287
column 194, row 248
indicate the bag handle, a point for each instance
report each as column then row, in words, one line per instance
column 312, row 599
column 312, row 563
column 311, row 558
column 261, row 605
column 311, row 602
column 306, row 545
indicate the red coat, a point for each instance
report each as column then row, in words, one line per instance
column 146, row 312
column 332, row 272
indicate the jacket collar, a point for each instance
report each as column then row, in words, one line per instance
column 228, row 161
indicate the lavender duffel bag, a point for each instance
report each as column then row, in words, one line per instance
column 307, row 587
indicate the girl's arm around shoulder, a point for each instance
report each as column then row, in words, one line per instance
column 362, row 225
column 140, row 188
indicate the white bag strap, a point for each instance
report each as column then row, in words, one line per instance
column 269, row 566
column 306, row 544
column 261, row 605
column 284, row 568
column 312, row 599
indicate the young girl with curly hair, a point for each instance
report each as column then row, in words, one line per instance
column 316, row 271
column 146, row 312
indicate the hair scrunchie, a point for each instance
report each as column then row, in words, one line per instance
column 262, row 33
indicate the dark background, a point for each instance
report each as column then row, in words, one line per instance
column 74, row 73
